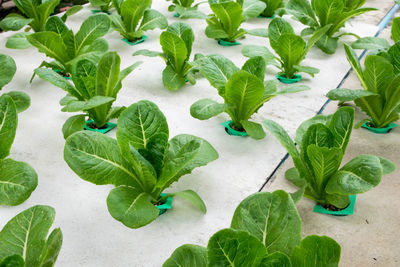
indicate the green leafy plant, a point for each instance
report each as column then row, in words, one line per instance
column 104, row 5
column 321, row 13
column 95, row 89
column 141, row 163
column 176, row 43
column 380, row 98
column 59, row 43
column 381, row 46
column 243, row 90
column 224, row 24
column 35, row 15
column 185, row 9
column 323, row 141
column 291, row 48
column 265, row 231
column 135, row 17
column 271, row 7
column 24, row 241
column 17, row 179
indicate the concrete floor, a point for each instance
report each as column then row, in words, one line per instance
column 93, row 238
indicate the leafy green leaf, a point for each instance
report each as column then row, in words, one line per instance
column 272, row 218
column 262, row 51
column 92, row 28
column 358, row 176
column 341, row 125
column 175, row 50
column 131, row 206
column 253, row 129
column 316, row 251
column 230, row 17
column 186, row 256
column 18, row 41
column 14, row 22
column 17, row 182
column 276, row 28
column 185, row 152
column 93, row 102
column 153, row 19
column 193, row 197
column 371, row 43
column 96, row 158
column 143, row 126
column 172, row 80
column 252, row 8
column 255, row 66
column 8, row 125
column 25, row 234
column 73, row 124
column 21, row 100
column 13, row 261
column 345, row 95
column 230, row 247
column 51, row 248
column 51, row 44
column 396, row 30
column 206, row 108
column 7, row 69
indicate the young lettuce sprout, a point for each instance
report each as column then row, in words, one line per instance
column 224, row 23
column 141, row 163
column 185, row 9
column 380, row 99
column 24, row 241
column 243, row 90
column 35, row 15
column 95, row 89
column 265, row 231
column 271, row 7
column 322, row 13
column 323, row 141
column 176, row 43
column 291, row 49
column 60, row 43
column 17, row 179
column 104, row 5
column 381, row 46
column 135, row 17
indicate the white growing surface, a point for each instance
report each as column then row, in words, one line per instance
column 91, row 236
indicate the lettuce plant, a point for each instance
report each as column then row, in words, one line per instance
column 176, row 43
column 243, row 90
column 104, row 5
column 291, row 48
column 59, row 43
column 321, row 13
column 35, row 15
column 271, row 7
column 141, row 163
column 94, row 89
column 224, row 24
column 380, row 99
column 135, row 17
column 185, row 9
column 265, row 231
column 323, row 141
column 24, row 240
column 17, row 179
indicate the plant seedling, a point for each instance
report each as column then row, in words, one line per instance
column 176, row 43
column 135, row 17
column 321, row 13
column 291, row 49
column 66, row 48
column 185, row 9
column 323, row 141
column 380, row 99
column 243, row 90
column 94, row 89
column 141, row 163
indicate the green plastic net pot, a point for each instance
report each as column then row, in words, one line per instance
column 282, row 78
column 166, row 204
column 385, row 130
column 108, row 127
column 232, row 131
column 141, row 40
column 226, row 43
column 349, row 210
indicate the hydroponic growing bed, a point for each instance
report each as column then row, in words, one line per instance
column 92, row 237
